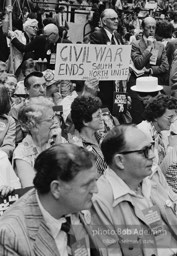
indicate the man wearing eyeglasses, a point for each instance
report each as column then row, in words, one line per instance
column 149, row 55
column 135, row 210
column 43, row 46
column 107, row 34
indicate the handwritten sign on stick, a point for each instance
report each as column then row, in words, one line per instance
column 82, row 61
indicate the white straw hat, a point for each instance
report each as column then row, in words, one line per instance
column 146, row 84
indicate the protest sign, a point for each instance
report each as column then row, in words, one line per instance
column 82, row 61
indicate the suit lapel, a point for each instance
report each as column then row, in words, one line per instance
column 44, row 243
column 118, row 38
column 39, row 233
column 142, row 45
column 105, row 36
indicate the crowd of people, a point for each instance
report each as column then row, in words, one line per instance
column 101, row 182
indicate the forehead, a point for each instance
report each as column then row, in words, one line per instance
column 85, row 176
column 136, row 139
column 36, row 80
column 110, row 14
column 11, row 78
column 97, row 112
column 169, row 112
column 150, row 22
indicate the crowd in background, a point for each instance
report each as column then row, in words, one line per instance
column 39, row 114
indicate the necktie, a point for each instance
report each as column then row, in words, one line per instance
column 66, row 227
column 112, row 40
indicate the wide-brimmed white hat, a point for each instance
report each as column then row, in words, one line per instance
column 147, row 84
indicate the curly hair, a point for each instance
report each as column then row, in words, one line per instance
column 33, row 111
column 82, row 109
column 164, row 29
column 158, row 105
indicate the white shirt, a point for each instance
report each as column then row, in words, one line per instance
column 109, row 34
column 54, row 225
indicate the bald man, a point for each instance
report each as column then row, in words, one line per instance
column 107, row 34
column 43, row 46
column 150, row 55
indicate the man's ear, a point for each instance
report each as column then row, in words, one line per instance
column 119, row 161
column 55, row 188
column 103, row 21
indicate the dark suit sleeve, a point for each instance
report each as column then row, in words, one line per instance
column 170, row 48
column 33, row 45
column 139, row 59
column 163, row 67
column 95, row 38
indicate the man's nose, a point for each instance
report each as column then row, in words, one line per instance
column 42, row 88
column 151, row 153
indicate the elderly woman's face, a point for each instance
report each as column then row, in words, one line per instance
column 46, row 123
column 32, row 30
column 166, row 119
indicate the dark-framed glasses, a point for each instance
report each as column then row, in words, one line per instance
column 113, row 19
column 34, row 27
column 144, row 151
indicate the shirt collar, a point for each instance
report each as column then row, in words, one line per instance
column 109, row 34
column 53, row 224
column 121, row 189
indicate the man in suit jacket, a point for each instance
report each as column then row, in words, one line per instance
column 46, row 221
column 107, row 34
column 150, row 54
column 43, row 46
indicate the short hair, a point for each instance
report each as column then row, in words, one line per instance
column 33, row 111
column 174, row 93
column 28, row 64
column 114, row 142
column 105, row 12
column 26, row 80
column 50, row 28
column 82, row 109
column 4, row 100
column 164, row 29
column 62, row 161
column 157, row 106
column 144, row 21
